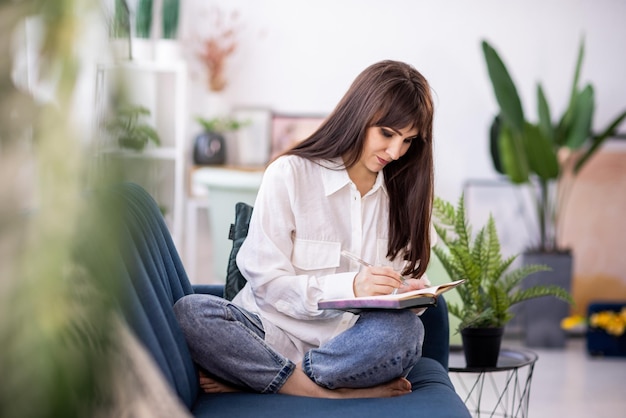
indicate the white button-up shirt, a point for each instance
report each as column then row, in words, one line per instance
column 305, row 214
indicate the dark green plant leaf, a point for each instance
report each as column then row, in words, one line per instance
column 545, row 119
column 504, row 89
column 513, row 156
column 542, row 158
column 143, row 19
column 565, row 124
column 580, row 130
column 494, row 145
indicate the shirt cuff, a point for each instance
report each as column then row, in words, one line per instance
column 340, row 286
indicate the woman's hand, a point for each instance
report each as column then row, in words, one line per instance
column 376, row 280
column 372, row 281
column 414, row 284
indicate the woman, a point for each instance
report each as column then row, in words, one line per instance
column 363, row 182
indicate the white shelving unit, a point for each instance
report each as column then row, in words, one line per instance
column 161, row 87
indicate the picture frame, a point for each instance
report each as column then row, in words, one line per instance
column 289, row 129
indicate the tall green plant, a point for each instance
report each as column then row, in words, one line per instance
column 170, row 16
column 491, row 286
column 542, row 153
column 143, row 19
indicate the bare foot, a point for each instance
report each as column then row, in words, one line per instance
column 397, row 387
column 300, row 384
column 210, row 385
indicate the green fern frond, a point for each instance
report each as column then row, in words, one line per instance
column 514, row 278
column 461, row 226
column 444, row 211
column 540, row 291
column 504, row 267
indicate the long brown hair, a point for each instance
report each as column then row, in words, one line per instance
column 396, row 95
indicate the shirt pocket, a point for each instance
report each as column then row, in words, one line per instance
column 309, row 255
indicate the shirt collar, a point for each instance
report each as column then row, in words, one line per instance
column 335, row 177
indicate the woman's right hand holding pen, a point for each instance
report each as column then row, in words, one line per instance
column 376, row 280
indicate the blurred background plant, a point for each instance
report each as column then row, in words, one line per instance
column 120, row 25
column 170, row 18
column 55, row 316
column 143, row 19
column 221, row 124
column 218, row 46
column 131, row 131
column 545, row 154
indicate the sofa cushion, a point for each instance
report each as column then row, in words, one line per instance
column 433, row 396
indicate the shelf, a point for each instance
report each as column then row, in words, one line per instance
column 163, row 153
column 146, row 65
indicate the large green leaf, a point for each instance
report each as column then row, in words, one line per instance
column 504, row 89
column 541, row 154
column 545, row 119
column 567, row 119
column 580, row 128
column 513, row 155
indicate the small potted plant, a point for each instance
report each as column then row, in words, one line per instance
column 491, row 285
column 210, row 145
column 129, row 129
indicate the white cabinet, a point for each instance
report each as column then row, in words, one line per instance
column 226, row 187
column 160, row 87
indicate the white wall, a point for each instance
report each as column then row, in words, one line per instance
column 301, row 56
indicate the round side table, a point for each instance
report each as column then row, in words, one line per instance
column 501, row 391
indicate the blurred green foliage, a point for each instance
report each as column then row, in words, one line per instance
column 55, row 316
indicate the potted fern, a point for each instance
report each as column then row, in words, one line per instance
column 491, row 285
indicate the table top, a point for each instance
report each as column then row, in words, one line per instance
column 228, row 177
column 508, row 359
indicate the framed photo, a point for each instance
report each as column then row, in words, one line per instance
column 253, row 139
column 288, row 130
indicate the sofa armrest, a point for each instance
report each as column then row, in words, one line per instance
column 209, row 289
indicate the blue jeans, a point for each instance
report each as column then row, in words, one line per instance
column 228, row 342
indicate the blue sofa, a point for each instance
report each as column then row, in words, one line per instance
column 152, row 278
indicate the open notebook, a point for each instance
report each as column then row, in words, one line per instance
column 413, row 299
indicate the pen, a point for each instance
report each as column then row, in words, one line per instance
column 359, row 260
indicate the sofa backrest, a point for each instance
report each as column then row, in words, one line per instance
column 150, row 278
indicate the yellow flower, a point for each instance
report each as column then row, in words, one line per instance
column 572, row 322
column 612, row 322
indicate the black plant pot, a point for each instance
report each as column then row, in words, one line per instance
column 481, row 346
column 209, row 148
